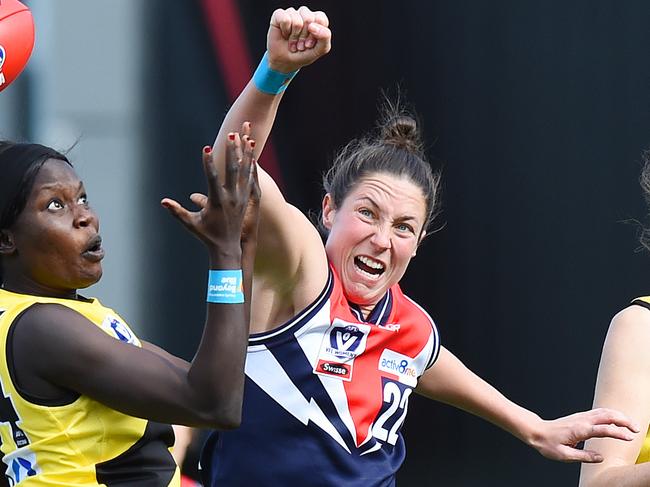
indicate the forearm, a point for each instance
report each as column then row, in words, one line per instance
column 456, row 385
column 216, row 375
column 451, row 382
column 251, row 106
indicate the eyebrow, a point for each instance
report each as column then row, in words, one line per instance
column 400, row 219
column 56, row 184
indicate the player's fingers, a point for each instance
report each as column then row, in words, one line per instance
column 610, row 431
column 584, row 456
column 296, row 28
column 246, row 128
column 178, row 212
column 569, row 454
column 211, row 174
column 199, row 199
column 612, row 416
column 281, row 19
column 307, row 18
column 321, row 18
column 245, row 170
column 233, row 156
column 322, row 36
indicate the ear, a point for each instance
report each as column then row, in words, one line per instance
column 7, row 242
column 328, row 211
column 422, row 235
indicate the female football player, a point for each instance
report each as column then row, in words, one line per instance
column 624, row 383
column 83, row 398
column 336, row 348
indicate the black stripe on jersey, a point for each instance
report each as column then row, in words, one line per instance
column 285, row 331
column 66, row 397
column 639, row 302
column 148, row 463
column 297, row 366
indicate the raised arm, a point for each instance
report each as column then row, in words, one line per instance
column 291, row 266
column 623, row 383
column 449, row 381
column 58, row 347
column 296, row 38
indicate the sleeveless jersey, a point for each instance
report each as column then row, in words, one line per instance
column 644, row 454
column 79, row 441
column 326, row 395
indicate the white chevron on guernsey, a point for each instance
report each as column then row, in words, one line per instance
column 268, row 374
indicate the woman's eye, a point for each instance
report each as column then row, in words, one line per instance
column 83, row 200
column 366, row 212
column 55, row 205
column 403, row 227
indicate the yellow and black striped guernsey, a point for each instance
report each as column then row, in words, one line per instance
column 78, row 441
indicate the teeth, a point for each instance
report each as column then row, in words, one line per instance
column 371, row 263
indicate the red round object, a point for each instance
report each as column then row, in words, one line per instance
column 16, row 40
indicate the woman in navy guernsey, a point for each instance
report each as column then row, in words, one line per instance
column 336, row 348
column 83, row 399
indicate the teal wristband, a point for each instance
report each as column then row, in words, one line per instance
column 225, row 287
column 269, row 80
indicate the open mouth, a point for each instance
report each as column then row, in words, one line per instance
column 94, row 250
column 369, row 266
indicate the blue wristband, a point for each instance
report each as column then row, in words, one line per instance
column 225, row 287
column 269, row 80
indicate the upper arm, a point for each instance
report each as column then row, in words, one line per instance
column 291, row 261
column 447, row 380
column 177, row 361
column 624, row 384
column 290, row 253
column 64, row 348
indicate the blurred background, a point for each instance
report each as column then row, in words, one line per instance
column 536, row 112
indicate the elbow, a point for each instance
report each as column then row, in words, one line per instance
column 222, row 418
column 225, row 422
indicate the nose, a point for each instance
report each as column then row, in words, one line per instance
column 85, row 217
column 381, row 237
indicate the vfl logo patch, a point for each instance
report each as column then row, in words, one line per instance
column 344, row 341
column 400, row 365
column 341, row 344
column 119, row 330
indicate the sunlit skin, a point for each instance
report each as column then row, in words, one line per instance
column 380, row 221
column 54, row 247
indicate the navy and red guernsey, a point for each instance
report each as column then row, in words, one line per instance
column 326, row 395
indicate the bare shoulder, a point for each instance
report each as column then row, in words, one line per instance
column 291, row 253
column 50, row 320
column 625, row 352
column 630, row 324
column 291, row 269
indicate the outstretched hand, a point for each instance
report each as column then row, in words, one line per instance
column 220, row 219
column 297, row 38
column 558, row 439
